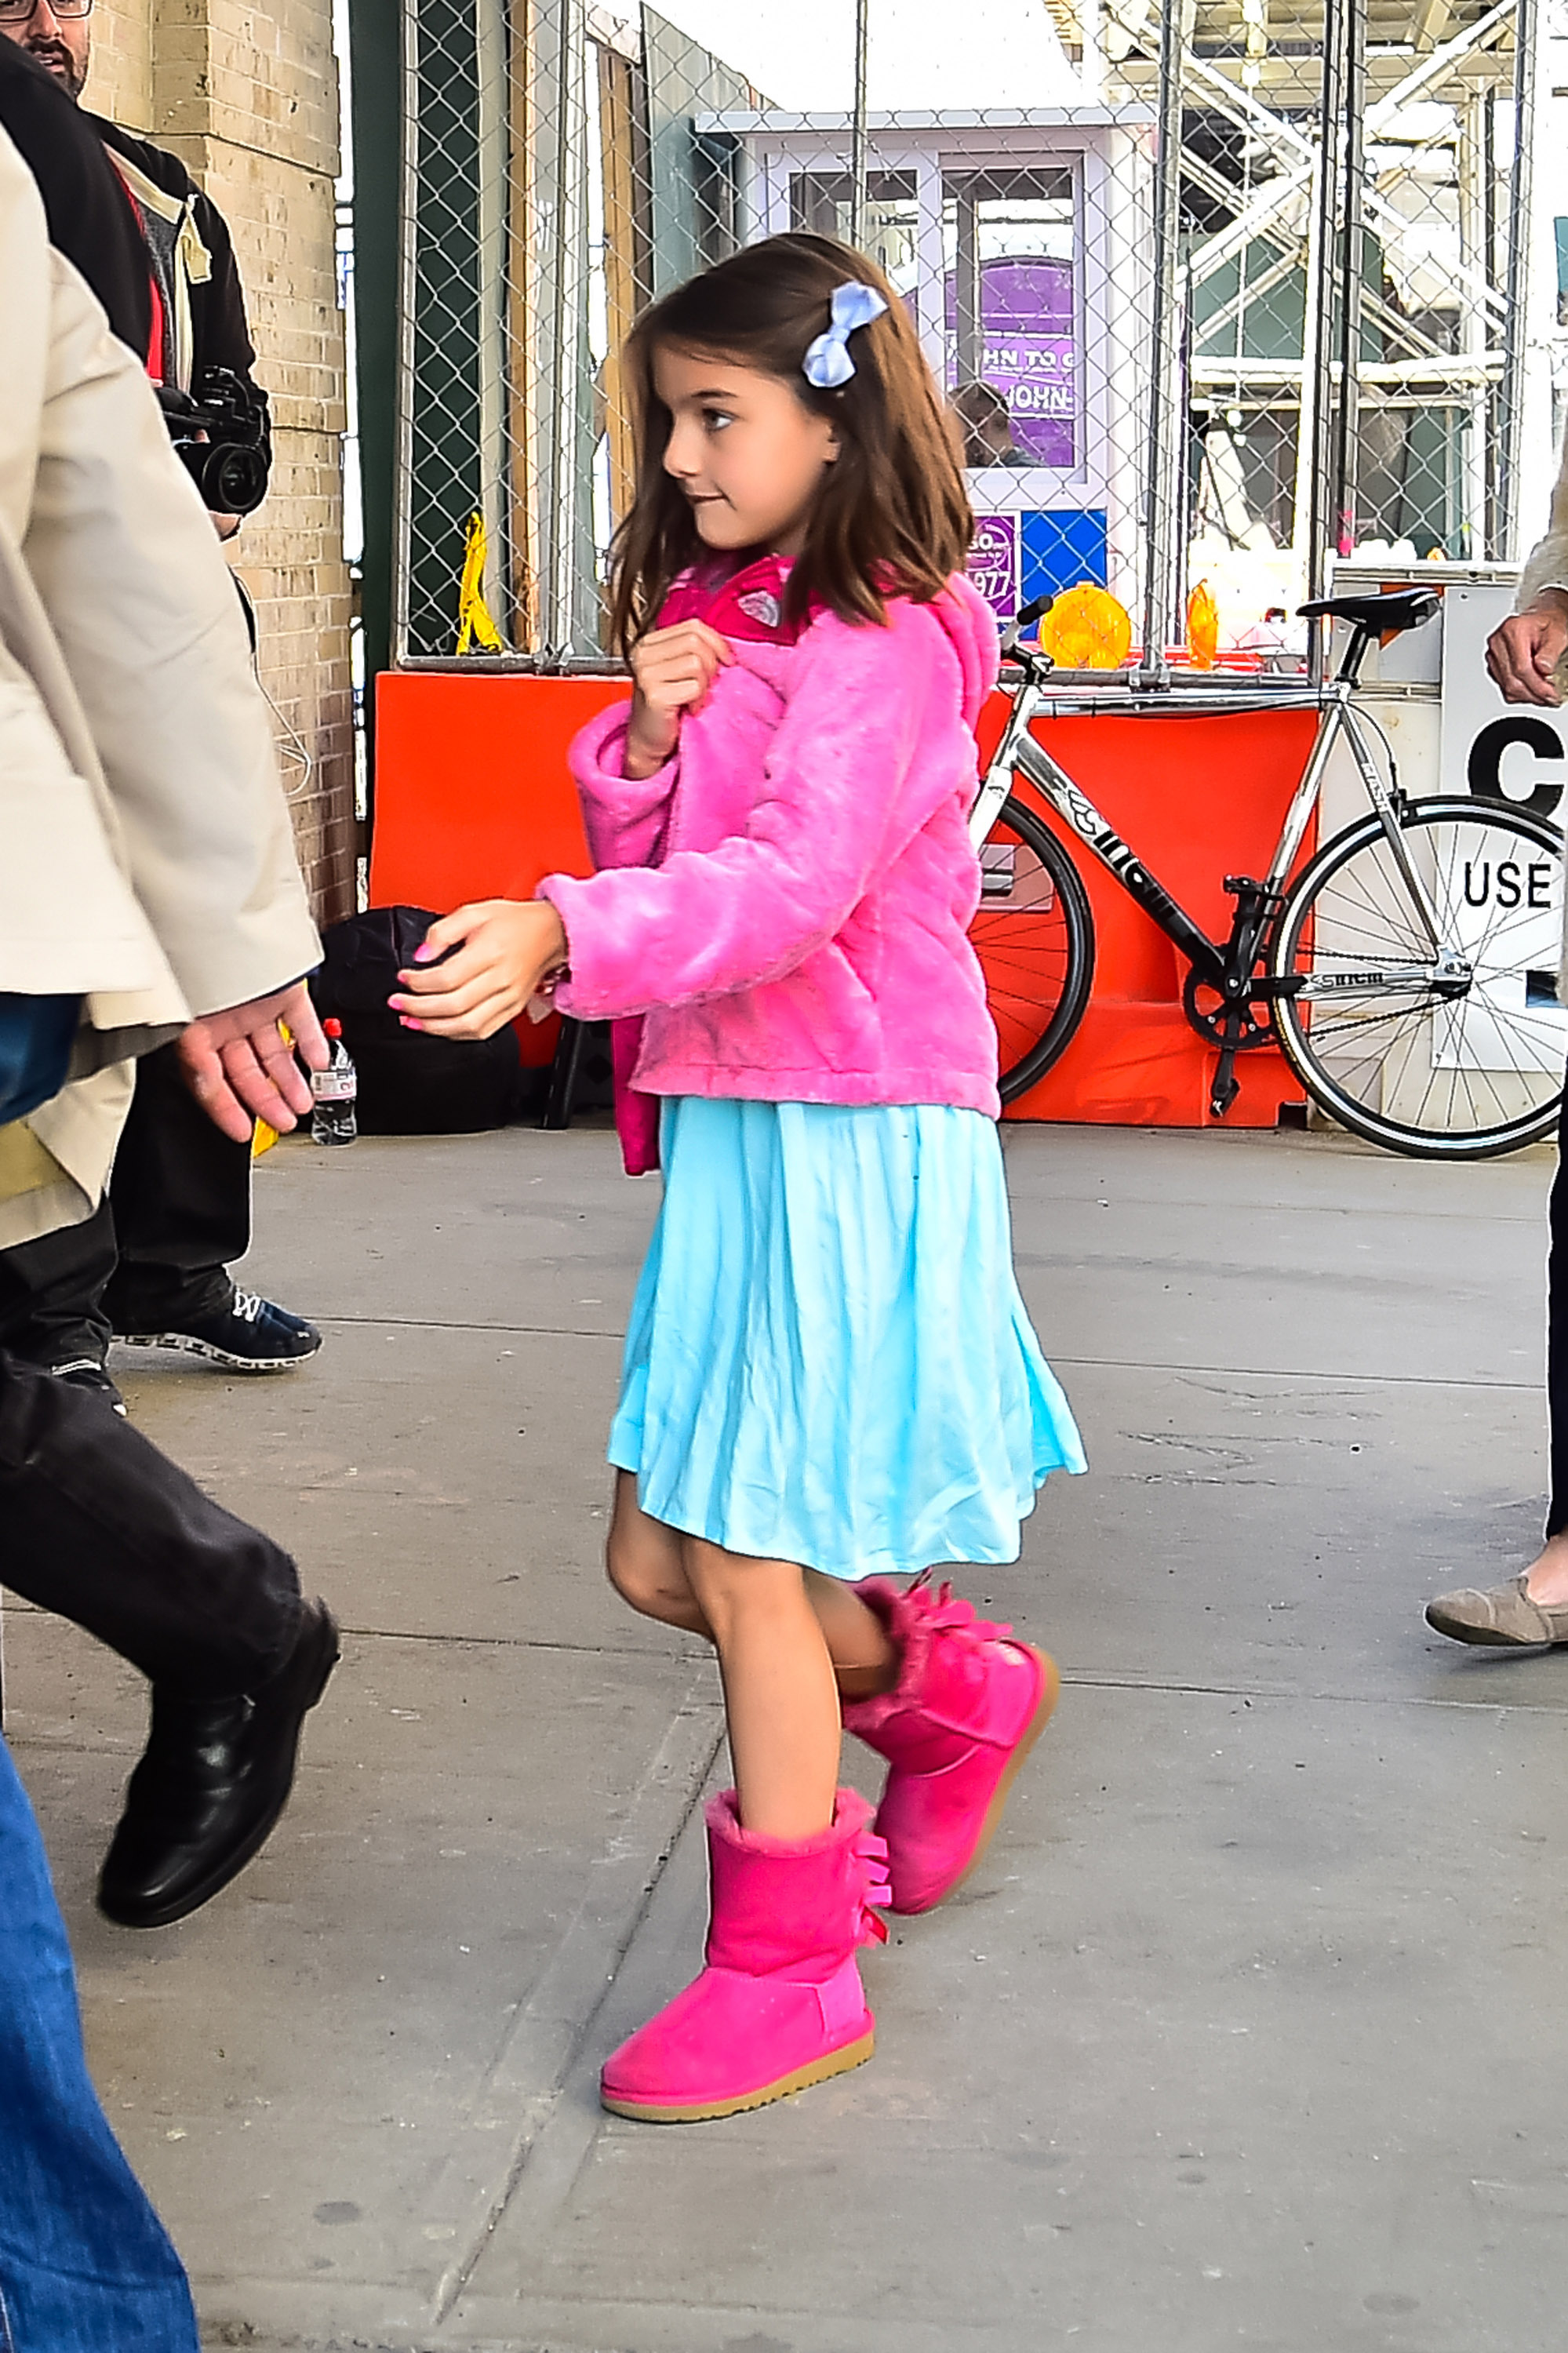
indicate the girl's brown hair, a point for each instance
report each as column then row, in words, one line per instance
column 892, row 517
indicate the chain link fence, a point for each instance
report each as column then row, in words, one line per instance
column 1269, row 286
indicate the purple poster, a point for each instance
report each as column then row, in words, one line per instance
column 993, row 562
column 1028, row 360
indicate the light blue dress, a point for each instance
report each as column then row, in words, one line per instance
column 828, row 1360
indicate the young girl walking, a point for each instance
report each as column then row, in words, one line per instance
column 830, row 1381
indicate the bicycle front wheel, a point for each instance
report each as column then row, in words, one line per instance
column 1452, row 1053
column 1034, row 934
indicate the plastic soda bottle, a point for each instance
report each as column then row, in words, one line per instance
column 334, row 1089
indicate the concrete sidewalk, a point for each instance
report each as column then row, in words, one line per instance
column 1249, row 2032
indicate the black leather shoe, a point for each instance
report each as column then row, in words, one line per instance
column 213, row 1779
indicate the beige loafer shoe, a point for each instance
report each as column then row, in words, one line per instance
column 1505, row 1618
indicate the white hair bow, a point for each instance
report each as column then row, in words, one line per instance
column 827, row 363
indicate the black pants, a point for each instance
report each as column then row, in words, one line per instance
column 98, row 1526
column 1557, row 1334
column 156, row 1252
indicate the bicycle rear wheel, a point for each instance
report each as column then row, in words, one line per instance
column 1034, row 935
column 1443, row 1064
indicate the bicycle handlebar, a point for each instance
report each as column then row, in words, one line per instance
column 1012, row 651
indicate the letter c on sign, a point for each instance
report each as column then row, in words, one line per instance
column 1485, row 761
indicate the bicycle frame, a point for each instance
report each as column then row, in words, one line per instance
column 1224, row 966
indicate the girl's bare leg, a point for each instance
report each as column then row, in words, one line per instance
column 780, row 1699
column 647, row 1567
column 864, row 1661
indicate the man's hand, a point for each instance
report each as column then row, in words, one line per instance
column 226, row 525
column 239, row 1068
column 1524, row 652
column 673, row 670
column 505, row 947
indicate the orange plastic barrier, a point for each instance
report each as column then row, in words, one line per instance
column 1198, row 799
column 473, row 800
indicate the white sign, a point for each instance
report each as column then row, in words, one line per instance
column 1493, row 749
column 1509, row 910
column 1504, row 913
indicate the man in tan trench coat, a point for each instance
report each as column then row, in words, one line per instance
column 146, row 863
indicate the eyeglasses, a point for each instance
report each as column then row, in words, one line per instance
column 21, row 12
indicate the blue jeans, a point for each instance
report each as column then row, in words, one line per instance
column 85, row 2264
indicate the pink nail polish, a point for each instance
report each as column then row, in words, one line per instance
column 425, row 953
column 409, row 1024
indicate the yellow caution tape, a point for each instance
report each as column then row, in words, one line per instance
column 474, row 624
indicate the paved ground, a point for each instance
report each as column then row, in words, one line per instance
column 1250, row 2030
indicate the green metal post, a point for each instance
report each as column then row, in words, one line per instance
column 375, row 118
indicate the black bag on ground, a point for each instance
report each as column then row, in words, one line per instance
column 409, row 1082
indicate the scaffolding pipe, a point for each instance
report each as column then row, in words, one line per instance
column 858, row 166
column 559, row 306
column 1475, row 227
column 1314, row 446
column 1167, row 423
column 490, row 288
column 1347, row 420
column 1516, row 327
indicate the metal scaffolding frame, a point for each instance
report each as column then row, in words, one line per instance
column 1320, row 100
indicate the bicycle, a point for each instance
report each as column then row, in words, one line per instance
column 1408, row 971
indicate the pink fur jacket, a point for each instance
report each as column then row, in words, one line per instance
column 787, row 899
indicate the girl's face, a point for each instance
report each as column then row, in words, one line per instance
column 748, row 454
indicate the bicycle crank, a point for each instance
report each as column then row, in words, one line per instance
column 1232, row 1024
column 1238, row 1022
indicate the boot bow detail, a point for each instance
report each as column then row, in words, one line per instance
column 871, row 1854
column 946, row 1612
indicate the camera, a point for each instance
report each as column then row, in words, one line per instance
column 220, row 431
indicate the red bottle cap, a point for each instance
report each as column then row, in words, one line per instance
column 333, row 1029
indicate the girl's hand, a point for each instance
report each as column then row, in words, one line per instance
column 505, row 947
column 673, row 670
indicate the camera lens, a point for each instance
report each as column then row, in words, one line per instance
column 233, row 479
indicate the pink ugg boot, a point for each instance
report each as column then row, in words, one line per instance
column 779, row 2004
column 967, row 1707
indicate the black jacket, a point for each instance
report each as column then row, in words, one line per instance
column 88, row 218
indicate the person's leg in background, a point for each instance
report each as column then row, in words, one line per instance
column 1532, row 1609
column 97, row 1525
column 1547, row 1575
column 181, row 1200
column 152, row 1262
column 84, row 2260
column 51, row 1301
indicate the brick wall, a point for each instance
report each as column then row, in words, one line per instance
column 246, row 97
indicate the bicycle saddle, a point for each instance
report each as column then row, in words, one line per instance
column 1385, row 616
